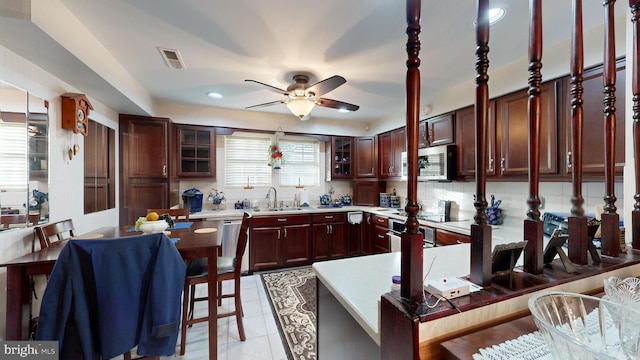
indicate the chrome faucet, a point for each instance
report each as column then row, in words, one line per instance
column 275, row 197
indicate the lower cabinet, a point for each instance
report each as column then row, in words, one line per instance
column 279, row 241
column 329, row 236
column 379, row 238
column 444, row 237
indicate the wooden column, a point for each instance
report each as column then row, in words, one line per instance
column 577, row 221
column 411, row 286
column 610, row 229
column 480, row 230
column 635, row 86
column 533, row 230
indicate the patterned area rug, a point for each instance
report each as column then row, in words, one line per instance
column 292, row 295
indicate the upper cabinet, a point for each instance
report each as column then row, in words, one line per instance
column 466, row 142
column 366, row 157
column 390, row 147
column 438, row 130
column 512, row 125
column 342, row 157
column 593, row 134
column 195, row 151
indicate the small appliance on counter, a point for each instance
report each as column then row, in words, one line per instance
column 192, row 199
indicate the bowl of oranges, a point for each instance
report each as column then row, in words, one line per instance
column 151, row 223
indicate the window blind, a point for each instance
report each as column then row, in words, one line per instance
column 246, row 160
column 301, row 163
column 13, row 156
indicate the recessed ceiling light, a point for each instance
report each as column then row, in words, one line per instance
column 495, row 15
column 343, row 110
column 214, row 95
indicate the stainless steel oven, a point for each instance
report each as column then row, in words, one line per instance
column 397, row 226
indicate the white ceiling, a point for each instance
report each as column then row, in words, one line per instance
column 224, row 42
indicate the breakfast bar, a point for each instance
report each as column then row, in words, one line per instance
column 350, row 291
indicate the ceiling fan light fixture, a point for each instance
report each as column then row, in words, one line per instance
column 300, row 107
column 214, row 95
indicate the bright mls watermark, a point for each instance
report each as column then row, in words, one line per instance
column 41, row 350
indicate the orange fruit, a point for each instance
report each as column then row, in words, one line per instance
column 153, row 216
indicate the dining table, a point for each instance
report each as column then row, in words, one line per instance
column 197, row 239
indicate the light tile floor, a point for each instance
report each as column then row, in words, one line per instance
column 263, row 340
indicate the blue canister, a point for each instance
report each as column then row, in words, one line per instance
column 192, row 199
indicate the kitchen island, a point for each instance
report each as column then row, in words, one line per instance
column 349, row 300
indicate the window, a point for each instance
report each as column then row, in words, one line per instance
column 301, row 163
column 246, row 161
column 13, row 153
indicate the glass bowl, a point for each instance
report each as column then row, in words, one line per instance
column 149, row 227
column 576, row 326
column 623, row 291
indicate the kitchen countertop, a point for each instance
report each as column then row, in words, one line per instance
column 500, row 234
column 370, row 277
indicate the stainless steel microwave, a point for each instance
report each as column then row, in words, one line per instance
column 436, row 163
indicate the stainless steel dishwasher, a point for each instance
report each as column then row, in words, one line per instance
column 230, row 232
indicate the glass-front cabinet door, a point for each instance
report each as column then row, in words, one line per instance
column 342, row 157
column 195, row 151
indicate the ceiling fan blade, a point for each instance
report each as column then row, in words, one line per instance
column 324, row 86
column 266, row 104
column 336, row 104
column 269, row 87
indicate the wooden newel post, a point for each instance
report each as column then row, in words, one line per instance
column 610, row 219
column 577, row 231
column 635, row 63
column 480, row 231
column 411, row 287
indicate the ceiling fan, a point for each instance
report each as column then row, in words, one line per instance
column 302, row 97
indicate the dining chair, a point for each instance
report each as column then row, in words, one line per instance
column 228, row 269
column 7, row 220
column 60, row 230
column 181, row 214
column 106, row 297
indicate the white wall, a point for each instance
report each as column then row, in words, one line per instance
column 66, row 177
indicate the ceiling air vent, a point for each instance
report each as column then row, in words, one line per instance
column 172, row 58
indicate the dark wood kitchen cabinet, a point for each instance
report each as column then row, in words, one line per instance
column 466, row 142
column 512, row 127
column 366, row 164
column 329, row 236
column 593, row 134
column 342, row 157
column 144, row 166
column 279, row 241
column 444, row 237
column 439, row 130
column 367, row 192
column 195, row 151
column 390, row 147
column 380, row 239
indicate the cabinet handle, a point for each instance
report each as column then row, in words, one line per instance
column 328, row 230
column 569, row 164
column 282, row 219
column 389, row 170
column 380, row 236
column 285, row 232
column 490, row 164
column 278, row 234
column 430, row 134
column 164, row 170
column 328, row 217
column 502, row 161
column 372, row 170
column 369, row 220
